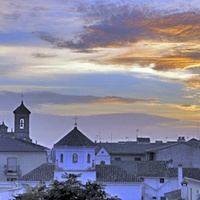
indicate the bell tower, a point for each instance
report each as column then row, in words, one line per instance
column 21, row 126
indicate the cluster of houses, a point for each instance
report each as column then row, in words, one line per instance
column 131, row 170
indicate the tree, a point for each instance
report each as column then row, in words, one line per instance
column 71, row 189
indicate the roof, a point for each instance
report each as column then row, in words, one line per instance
column 21, row 109
column 112, row 173
column 175, row 194
column 8, row 144
column 193, row 142
column 75, row 138
column 161, row 169
column 152, row 169
column 44, row 172
column 3, row 126
column 129, row 166
column 159, row 148
column 143, row 140
column 104, row 173
column 128, row 147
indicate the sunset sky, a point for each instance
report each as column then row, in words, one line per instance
column 119, row 66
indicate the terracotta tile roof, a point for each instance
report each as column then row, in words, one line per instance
column 129, row 166
column 75, row 138
column 111, row 173
column 161, row 169
column 16, row 145
column 152, row 169
column 104, row 173
column 21, row 109
column 44, row 172
column 175, row 195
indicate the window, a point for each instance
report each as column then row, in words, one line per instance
column 102, row 162
column 117, row 158
column 11, row 179
column 162, row 198
column 162, row 180
column 137, row 159
column 21, row 123
column 12, row 165
column 88, row 158
column 75, row 158
column 154, row 197
column 151, row 156
column 61, row 158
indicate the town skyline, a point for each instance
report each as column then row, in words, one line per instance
column 119, row 66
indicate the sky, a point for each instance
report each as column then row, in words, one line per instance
column 124, row 68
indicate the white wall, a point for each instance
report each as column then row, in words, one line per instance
column 125, row 191
column 102, row 155
column 86, row 175
column 153, row 188
column 193, row 188
column 68, row 152
column 26, row 160
column 8, row 189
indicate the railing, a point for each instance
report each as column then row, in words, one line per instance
column 12, row 170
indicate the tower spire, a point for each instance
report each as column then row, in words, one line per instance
column 75, row 119
column 22, row 97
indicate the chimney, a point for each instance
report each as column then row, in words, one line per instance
column 180, row 175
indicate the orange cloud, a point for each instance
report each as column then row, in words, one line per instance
column 188, row 107
column 120, row 100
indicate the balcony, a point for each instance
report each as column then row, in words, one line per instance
column 13, row 171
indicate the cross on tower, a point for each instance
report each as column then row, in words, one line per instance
column 22, row 97
column 75, row 119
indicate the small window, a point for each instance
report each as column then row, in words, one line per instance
column 137, row 159
column 11, row 179
column 88, row 158
column 75, row 158
column 154, row 197
column 117, row 158
column 61, row 158
column 102, row 162
column 162, row 180
column 21, row 123
column 162, row 198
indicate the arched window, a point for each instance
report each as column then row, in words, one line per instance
column 102, row 162
column 61, row 158
column 75, row 158
column 88, row 158
column 21, row 123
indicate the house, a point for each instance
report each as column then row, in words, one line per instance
column 18, row 157
column 190, row 186
column 161, row 181
column 125, row 151
column 186, row 153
